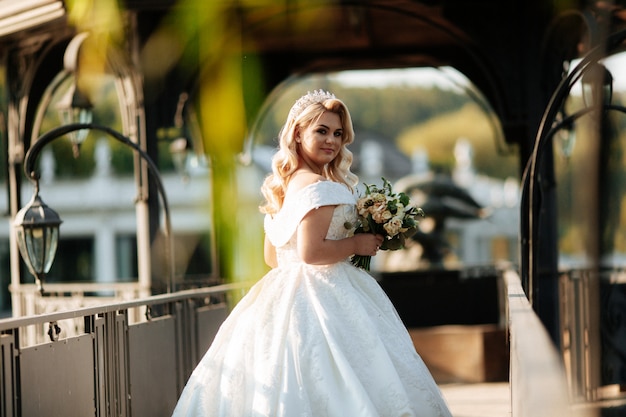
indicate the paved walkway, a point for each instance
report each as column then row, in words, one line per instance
column 478, row 400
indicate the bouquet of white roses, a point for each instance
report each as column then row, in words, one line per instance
column 381, row 211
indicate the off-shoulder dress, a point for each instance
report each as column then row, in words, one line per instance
column 310, row 340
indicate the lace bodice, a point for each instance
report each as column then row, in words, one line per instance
column 282, row 228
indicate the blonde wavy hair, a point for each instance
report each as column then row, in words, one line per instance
column 285, row 161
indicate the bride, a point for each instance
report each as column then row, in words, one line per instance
column 316, row 336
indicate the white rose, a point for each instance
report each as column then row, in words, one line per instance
column 393, row 226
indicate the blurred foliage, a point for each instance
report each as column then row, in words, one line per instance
column 439, row 135
column 104, row 21
column 202, row 39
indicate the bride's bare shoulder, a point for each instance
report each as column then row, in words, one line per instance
column 302, row 180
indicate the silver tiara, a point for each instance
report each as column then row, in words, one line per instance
column 317, row 96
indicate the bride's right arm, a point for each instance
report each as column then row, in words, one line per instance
column 314, row 248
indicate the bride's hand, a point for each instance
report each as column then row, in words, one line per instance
column 367, row 244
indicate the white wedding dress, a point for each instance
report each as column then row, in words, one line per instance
column 312, row 341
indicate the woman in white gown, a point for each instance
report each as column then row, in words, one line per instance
column 316, row 336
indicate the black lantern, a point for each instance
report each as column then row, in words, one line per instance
column 179, row 149
column 37, row 228
column 75, row 107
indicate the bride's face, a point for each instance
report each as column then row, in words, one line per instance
column 321, row 141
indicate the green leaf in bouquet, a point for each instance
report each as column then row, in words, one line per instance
column 404, row 199
column 393, row 244
column 410, row 232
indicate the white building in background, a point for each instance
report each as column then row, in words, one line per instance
column 497, row 234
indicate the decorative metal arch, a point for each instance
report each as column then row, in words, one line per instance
column 531, row 194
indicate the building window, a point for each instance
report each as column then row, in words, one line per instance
column 74, row 261
column 126, row 254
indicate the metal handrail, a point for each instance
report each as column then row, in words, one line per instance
column 11, row 323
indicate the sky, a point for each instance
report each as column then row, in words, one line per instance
column 449, row 78
column 445, row 78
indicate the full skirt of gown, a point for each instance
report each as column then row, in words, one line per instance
column 312, row 341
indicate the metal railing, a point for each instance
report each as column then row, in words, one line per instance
column 28, row 301
column 593, row 328
column 127, row 358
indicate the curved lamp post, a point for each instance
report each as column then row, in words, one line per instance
column 539, row 260
column 548, row 128
column 37, row 225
